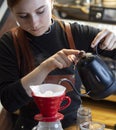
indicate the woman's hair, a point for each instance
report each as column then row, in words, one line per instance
column 12, row 3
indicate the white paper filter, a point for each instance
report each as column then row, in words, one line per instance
column 48, row 90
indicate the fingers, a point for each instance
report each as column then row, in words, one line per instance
column 100, row 36
column 62, row 58
column 65, row 57
column 109, row 42
column 70, row 51
column 106, row 39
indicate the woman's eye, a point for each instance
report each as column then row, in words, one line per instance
column 23, row 16
column 40, row 11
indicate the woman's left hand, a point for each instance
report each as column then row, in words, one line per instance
column 107, row 40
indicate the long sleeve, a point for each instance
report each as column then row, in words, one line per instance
column 12, row 94
column 84, row 35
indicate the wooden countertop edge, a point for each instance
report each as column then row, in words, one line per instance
column 73, row 127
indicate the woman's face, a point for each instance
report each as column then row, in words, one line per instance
column 34, row 16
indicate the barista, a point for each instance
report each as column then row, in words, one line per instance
column 42, row 48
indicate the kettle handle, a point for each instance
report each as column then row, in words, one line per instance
column 96, row 48
column 71, row 84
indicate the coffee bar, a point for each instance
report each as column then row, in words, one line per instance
column 96, row 13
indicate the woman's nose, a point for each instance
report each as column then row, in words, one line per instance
column 34, row 21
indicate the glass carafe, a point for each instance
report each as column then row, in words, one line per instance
column 48, row 126
column 83, row 114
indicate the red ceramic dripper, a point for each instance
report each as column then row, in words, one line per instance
column 50, row 105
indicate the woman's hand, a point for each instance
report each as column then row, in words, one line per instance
column 61, row 59
column 106, row 39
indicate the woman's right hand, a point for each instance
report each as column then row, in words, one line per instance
column 61, row 59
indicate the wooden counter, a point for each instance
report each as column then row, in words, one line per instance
column 74, row 128
column 103, row 111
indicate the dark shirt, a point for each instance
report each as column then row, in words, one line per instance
column 13, row 95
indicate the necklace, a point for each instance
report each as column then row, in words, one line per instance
column 49, row 30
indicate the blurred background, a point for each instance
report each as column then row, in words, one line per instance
column 103, row 11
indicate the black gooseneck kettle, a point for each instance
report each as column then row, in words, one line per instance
column 99, row 81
